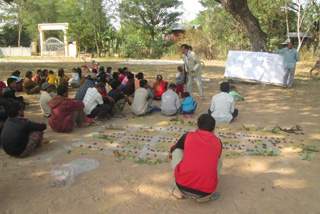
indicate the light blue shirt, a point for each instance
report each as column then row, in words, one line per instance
column 290, row 57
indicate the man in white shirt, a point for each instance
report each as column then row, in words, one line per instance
column 170, row 101
column 94, row 105
column 222, row 106
column 193, row 67
column 142, row 99
column 45, row 97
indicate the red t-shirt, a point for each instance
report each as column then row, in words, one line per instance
column 159, row 89
column 198, row 167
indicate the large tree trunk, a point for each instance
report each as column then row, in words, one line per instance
column 240, row 11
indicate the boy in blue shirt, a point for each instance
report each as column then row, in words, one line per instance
column 188, row 105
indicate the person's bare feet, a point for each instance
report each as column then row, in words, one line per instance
column 84, row 125
column 177, row 194
column 45, row 141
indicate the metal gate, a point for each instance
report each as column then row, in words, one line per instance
column 53, row 47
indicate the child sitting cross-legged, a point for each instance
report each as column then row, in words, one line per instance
column 235, row 94
column 188, row 105
column 119, row 98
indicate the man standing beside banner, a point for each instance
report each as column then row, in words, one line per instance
column 291, row 56
column 193, row 67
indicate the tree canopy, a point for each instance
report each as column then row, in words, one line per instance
column 142, row 28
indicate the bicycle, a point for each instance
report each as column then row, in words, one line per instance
column 315, row 71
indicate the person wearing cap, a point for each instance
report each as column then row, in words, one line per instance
column 196, row 162
column 16, row 74
column 45, row 98
column 66, row 113
column 170, row 101
column 95, row 107
column 159, row 87
column 89, row 83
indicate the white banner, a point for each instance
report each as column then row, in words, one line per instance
column 258, row 66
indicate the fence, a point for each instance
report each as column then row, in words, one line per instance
column 15, row 51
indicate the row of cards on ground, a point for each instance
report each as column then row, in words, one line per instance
column 152, row 144
column 256, row 66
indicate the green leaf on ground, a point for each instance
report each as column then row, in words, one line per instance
column 306, row 156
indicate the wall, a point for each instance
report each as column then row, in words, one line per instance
column 15, row 51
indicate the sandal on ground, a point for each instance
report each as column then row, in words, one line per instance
column 213, row 197
column 96, row 123
column 171, row 190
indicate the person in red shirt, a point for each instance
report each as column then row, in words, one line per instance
column 66, row 112
column 196, row 162
column 159, row 87
column 37, row 77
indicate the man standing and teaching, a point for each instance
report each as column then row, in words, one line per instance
column 291, row 56
column 192, row 65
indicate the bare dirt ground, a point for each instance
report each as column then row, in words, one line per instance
column 247, row 184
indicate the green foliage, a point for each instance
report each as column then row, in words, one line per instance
column 9, row 36
column 143, row 23
column 306, row 156
column 133, row 47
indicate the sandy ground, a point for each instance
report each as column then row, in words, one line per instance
column 247, row 184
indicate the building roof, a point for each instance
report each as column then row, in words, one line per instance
column 302, row 34
column 179, row 27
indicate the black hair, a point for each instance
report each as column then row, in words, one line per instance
column 206, row 122
column 120, row 70
column 159, row 77
column 51, row 72
column 79, row 71
column 115, row 84
column 39, row 71
column 13, row 108
column 125, row 69
column 233, row 87
column 185, row 46
column 230, row 81
column 29, row 74
column 130, row 76
column 180, row 68
column 140, row 76
column 61, row 89
column 172, row 86
column 101, row 69
column 10, row 80
column 44, row 73
column 94, row 71
column 100, row 85
column 225, row 87
column 143, row 83
column 109, row 69
column 16, row 73
column 115, row 75
column 186, row 94
column 291, row 41
column 190, row 48
column 60, row 72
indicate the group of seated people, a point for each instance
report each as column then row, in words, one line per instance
column 103, row 94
